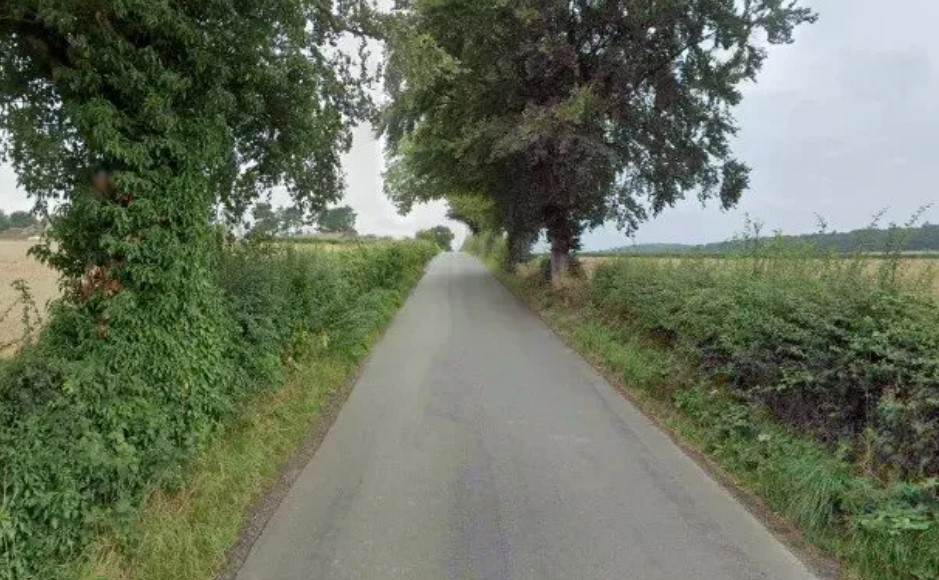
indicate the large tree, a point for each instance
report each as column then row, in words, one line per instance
column 290, row 220
column 337, row 220
column 136, row 123
column 440, row 235
column 265, row 219
column 139, row 118
column 569, row 113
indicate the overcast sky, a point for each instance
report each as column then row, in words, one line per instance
column 842, row 123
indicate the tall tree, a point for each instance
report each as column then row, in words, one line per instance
column 137, row 120
column 337, row 220
column 140, row 117
column 440, row 235
column 290, row 220
column 266, row 223
column 569, row 113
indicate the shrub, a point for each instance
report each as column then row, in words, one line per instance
column 830, row 348
column 90, row 423
column 834, row 355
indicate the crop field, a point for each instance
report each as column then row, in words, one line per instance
column 920, row 270
column 15, row 264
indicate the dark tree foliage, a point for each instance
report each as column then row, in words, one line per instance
column 440, row 235
column 268, row 221
column 337, row 220
column 924, row 238
column 569, row 113
column 265, row 220
column 291, row 220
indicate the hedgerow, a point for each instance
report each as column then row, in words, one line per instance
column 90, row 423
column 832, row 354
column 838, row 350
column 812, row 378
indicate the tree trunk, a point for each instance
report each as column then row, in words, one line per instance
column 561, row 236
column 560, row 261
column 516, row 250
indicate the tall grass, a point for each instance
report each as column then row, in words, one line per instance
column 23, row 308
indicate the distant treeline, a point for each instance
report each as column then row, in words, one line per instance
column 923, row 238
column 17, row 219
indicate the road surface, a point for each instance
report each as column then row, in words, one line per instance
column 477, row 446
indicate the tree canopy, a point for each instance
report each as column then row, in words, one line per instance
column 139, row 117
column 17, row 219
column 265, row 223
column 440, row 235
column 477, row 212
column 337, row 220
column 567, row 114
column 135, row 125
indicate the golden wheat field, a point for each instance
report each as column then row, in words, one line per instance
column 42, row 282
column 911, row 269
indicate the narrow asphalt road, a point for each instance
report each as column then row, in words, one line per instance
column 477, row 446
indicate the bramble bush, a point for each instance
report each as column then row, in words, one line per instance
column 825, row 347
column 90, row 422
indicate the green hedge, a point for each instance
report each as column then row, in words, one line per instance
column 92, row 420
column 828, row 352
column 835, row 350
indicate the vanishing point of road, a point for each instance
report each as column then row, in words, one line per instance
column 477, row 446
